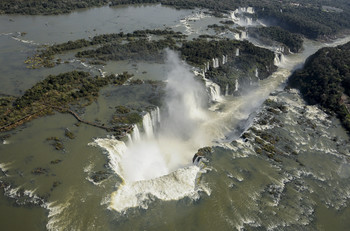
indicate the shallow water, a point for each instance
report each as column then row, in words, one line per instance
column 235, row 188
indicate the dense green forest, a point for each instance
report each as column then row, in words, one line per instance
column 292, row 41
column 325, row 80
column 54, row 92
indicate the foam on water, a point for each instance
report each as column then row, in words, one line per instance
column 174, row 186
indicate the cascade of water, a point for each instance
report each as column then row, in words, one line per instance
column 155, row 116
column 233, row 16
column 250, row 10
column 237, row 52
column 276, row 60
column 282, row 58
column 213, row 60
column 237, row 36
column 236, row 85
column 148, row 125
column 226, row 90
column 213, row 90
column 136, row 134
column 243, row 34
column 223, row 59
column 256, row 73
column 217, row 62
column 129, row 138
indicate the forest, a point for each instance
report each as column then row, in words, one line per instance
column 325, row 80
column 293, row 42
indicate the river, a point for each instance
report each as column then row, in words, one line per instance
column 151, row 183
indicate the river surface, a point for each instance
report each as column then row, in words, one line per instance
column 151, row 182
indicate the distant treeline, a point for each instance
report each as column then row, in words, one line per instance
column 34, row 7
column 309, row 18
column 325, row 80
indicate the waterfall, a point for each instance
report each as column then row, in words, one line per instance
column 223, row 59
column 279, row 58
column 250, row 10
column 213, row 90
column 233, row 16
column 243, row 35
column 276, row 60
column 136, row 134
column 148, row 125
column 282, row 58
column 237, row 52
column 237, row 36
column 236, row 85
column 226, row 90
column 213, row 60
column 217, row 62
column 129, row 138
column 155, row 116
column 256, row 73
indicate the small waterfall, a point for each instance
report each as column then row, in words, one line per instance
column 237, row 36
column 243, row 35
column 250, row 10
column 136, row 133
column 213, row 90
column 282, row 58
column 237, row 52
column 155, row 116
column 233, row 16
column 236, row 85
column 226, row 90
column 276, row 60
column 148, row 125
column 279, row 58
column 217, row 62
column 256, row 73
column 129, row 138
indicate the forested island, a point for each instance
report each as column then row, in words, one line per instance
column 325, row 80
column 293, row 42
column 55, row 93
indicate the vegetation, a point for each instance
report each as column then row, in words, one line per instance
column 54, row 92
column 34, row 7
column 292, row 41
column 140, row 49
column 325, row 79
column 218, row 28
column 200, row 51
column 133, row 41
